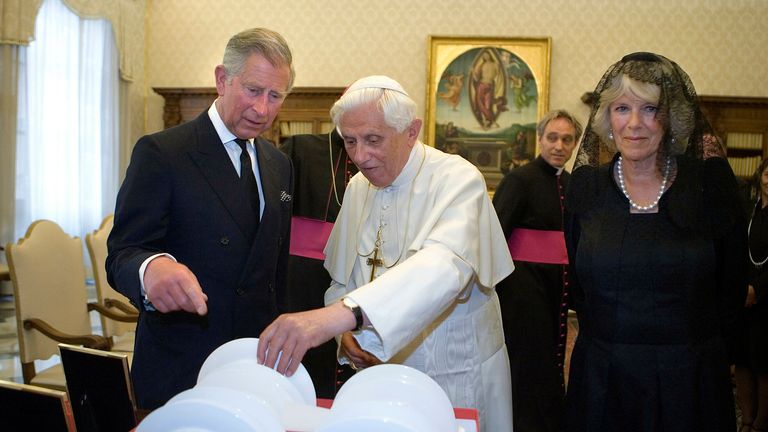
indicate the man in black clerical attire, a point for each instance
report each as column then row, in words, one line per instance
column 321, row 173
column 534, row 303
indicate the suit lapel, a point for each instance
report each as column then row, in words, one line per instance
column 216, row 166
column 270, row 188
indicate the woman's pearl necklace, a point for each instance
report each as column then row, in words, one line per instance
column 632, row 203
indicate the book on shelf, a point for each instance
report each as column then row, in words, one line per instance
column 744, row 166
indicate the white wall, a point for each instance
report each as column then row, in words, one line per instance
column 722, row 44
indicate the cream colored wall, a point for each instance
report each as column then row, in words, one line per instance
column 132, row 93
column 721, row 43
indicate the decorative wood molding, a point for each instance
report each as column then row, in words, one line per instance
column 736, row 113
column 741, row 122
column 302, row 104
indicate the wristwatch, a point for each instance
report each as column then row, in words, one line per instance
column 356, row 311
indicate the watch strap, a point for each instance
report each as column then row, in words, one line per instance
column 356, row 311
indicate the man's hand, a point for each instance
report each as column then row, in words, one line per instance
column 292, row 335
column 359, row 357
column 171, row 286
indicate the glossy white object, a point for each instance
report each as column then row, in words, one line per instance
column 244, row 351
column 378, row 416
column 235, row 393
column 206, row 415
column 256, row 379
column 304, row 418
column 390, row 385
column 241, row 403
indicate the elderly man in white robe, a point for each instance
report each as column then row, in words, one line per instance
column 414, row 255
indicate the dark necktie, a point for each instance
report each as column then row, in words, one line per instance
column 248, row 180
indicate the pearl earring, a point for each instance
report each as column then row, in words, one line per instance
column 610, row 135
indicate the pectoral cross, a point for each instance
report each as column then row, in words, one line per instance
column 375, row 261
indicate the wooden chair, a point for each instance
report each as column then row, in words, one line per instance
column 4, row 274
column 48, row 277
column 120, row 333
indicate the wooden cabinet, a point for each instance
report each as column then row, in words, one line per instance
column 742, row 125
column 305, row 110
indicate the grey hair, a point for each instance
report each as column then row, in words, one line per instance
column 399, row 109
column 262, row 41
column 563, row 114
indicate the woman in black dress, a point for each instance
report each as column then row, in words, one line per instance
column 657, row 244
column 752, row 353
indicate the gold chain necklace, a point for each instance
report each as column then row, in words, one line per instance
column 377, row 243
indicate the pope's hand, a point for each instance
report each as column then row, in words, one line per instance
column 359, row 357
column 171, row 286
column 751, row 297
column 295, row 333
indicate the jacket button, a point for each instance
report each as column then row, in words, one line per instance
column 271, row 287
column 240, row 291
column 224, row 240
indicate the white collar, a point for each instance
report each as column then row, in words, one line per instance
column 225, row 135
column 413, row 166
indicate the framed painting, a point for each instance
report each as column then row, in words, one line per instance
column 484, row 97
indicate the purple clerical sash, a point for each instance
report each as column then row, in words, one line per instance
column 309, row 236
column 538, row 246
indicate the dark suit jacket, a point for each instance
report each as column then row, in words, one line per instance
column 181, row 195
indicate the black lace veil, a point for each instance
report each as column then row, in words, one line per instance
column 687, row 130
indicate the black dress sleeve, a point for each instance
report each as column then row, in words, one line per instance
column 727, row 221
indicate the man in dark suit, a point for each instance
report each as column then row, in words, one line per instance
column 202, row 223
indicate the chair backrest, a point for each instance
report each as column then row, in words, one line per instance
column 48, row 277
column 97, row 249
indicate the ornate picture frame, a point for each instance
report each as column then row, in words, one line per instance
column 484, row 97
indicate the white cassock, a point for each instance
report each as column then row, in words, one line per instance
column 432, row 305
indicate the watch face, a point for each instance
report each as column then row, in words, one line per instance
column 348, row 302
